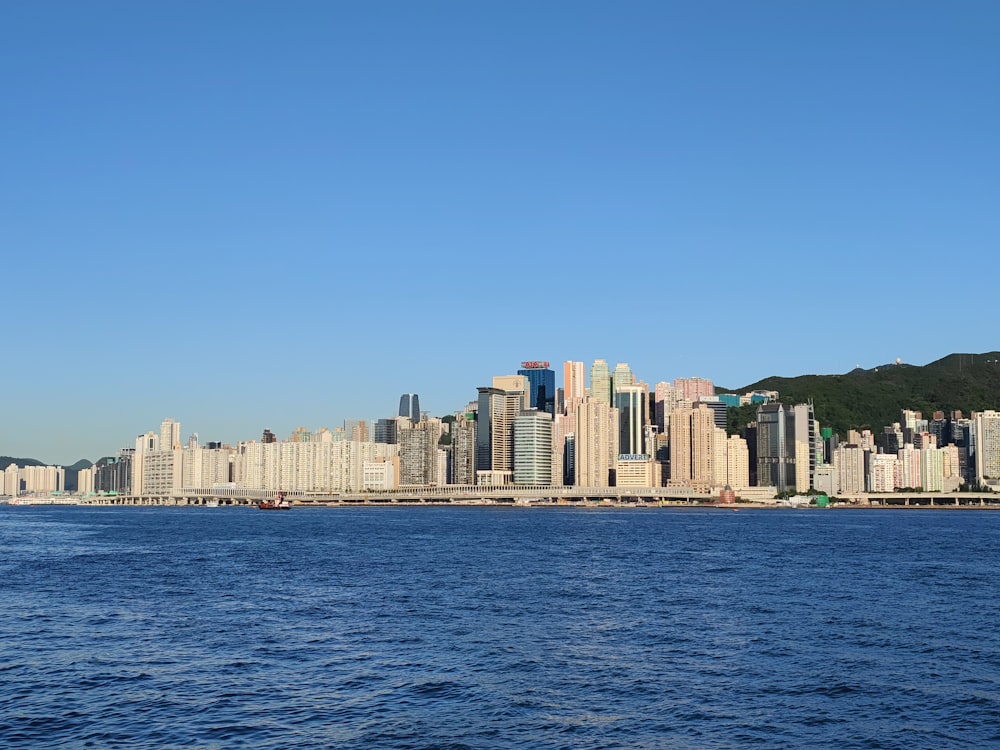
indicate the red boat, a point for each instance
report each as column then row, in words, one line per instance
column 279, row 504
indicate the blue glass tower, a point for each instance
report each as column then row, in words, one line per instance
column 541, row 385
column 409, row 406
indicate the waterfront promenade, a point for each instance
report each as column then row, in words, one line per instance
column 527, row 495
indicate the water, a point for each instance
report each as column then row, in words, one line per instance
column 498, row 628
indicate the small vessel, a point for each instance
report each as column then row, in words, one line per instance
column 280, row 503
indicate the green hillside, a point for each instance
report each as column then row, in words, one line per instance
column 873, row 398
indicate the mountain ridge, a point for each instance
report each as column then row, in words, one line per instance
column 873, row 398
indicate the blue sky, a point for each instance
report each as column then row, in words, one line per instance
column 245, row 214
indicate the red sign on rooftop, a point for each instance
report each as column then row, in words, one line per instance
column 535, row 365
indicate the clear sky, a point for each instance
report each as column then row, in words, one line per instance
column 269, row 214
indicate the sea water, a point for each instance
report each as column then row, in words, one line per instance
column 410, row 627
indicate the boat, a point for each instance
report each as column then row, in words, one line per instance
column 280, row 503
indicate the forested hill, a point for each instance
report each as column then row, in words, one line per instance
column 871, row 399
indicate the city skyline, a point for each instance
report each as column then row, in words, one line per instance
column 264, row 216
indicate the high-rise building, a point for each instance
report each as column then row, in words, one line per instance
column 512, row 384
column 664, row 400
column 495, row 428
column 691, row 389
column 113, row 474
column 170, row 434
column 541, row 385
column 463, row 449
column 415, row 454
column 849, row 460
column 737, row 463
column 600, row 382
column 356, row 429
column 632, row 402
column 882, row 471
column 987, row 446
column 574, row 384
column 385, row 431
column 596, row 442
column 409, row 406
column 778, row 454
column 533, row 448
column 621, row 377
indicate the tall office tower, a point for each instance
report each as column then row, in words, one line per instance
column 385, row 431
column 533, row 448
column 737, row 462
column 569, row 459
column 574, row 385
column 495, row 428
column 807, row 446
column 541, row 385
column 170, row 434
column 409, row 406
column 691, row 389
column 463, row 449
column 621, row 377
column 268, row 437
column 515, row 384
column 600, row 382
column 987, row 430
column 596, row 442
column 719, row 410
column 632, row 402
column 775, row 447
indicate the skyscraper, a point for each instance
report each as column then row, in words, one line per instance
column 533, row 448
column 621, row 376
column 409, row 406
column 600, row 381
column 495, row 428
column 632, row 402
column 574, row 384
column 596, row 440
column 541, row 385
column 787, row 443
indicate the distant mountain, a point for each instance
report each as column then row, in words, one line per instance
column 6, row 461
column 873, row 398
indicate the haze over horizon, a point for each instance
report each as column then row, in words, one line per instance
column 245, row 215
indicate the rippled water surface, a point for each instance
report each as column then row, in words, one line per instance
column 497, row 628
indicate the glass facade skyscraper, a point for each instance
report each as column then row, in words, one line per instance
column 541, row 385
column 409, row 406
